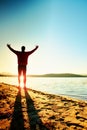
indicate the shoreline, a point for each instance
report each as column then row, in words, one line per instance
column 33, row 109
column 77, row 97
column 74, row 88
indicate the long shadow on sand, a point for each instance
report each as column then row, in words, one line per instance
column 17, row 119
column 34, row 119
column 17, row 122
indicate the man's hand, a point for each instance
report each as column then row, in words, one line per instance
column 37, row 46
column 8, row 45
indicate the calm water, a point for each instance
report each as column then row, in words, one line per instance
column 73, row 87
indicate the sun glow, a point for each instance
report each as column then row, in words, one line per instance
column 21, row 81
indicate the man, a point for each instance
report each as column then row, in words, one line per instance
column 22, row 57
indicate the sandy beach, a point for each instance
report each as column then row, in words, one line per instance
column 35, row 110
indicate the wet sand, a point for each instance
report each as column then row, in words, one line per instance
column 35, row 110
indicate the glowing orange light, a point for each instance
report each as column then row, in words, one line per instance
column 21, row 81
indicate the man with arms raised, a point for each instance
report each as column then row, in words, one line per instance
column 22, row 57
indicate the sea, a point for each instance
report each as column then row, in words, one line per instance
column 71, row 87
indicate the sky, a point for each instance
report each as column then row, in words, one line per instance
column 59, row 27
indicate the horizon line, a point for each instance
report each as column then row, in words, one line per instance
column 46, row 75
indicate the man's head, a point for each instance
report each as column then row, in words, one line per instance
column 23, row 48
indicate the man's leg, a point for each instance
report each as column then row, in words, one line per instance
column 19, row 74
column 24, row 75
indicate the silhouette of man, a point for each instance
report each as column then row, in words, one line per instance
column 22, row 57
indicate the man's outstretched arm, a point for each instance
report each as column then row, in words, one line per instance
column 30, row 52
column 8, row 45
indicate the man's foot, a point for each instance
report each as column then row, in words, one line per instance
column 19, row 87
column 25, row 88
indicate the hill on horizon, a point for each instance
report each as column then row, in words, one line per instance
column 59, row 75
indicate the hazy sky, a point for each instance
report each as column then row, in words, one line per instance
column 59, row 27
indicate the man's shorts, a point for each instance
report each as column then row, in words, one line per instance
column 21, row 68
